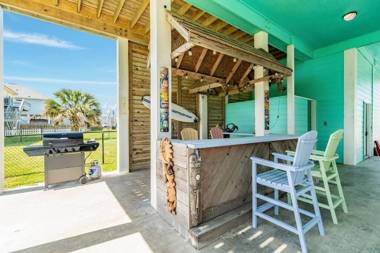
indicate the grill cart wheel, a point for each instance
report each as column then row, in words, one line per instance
column 83, row 179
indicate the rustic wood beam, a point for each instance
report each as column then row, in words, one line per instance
column 220, row 26
column 66, row 14
column 233, row 71
column 249, row 86
column 182, row 49
column 139, row 12
column 197, row 76
column 79, row 5
column 56, row 2
column 205, row 87
column 246, row 73
column 238, row 53
column 184, row 8
column 249, row 39
column 239, row 35
column 229, row 30
column 179, row 61
column 99, row 8
column 200, row 59
column 216, row 64
column 179, row 28
column 209, row 20
column 118, row 10
column 199, row 15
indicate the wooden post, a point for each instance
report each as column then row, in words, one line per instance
column 2, row 169
column 290, row 90
column 203, row 117
column 122, row 106
column 261, row 88
column 160, row 58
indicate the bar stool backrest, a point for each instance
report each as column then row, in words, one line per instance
column 305, row 145
column 189, row 134
column 333, row 143
column 216, row 133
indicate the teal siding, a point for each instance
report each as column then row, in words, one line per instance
column 322, row 79
column 242, row 114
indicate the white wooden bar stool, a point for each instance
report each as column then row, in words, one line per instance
column 294, row 178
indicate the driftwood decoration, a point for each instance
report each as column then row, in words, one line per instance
column 166, row 156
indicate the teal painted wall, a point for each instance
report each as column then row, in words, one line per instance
column 322, row 79
column 242, row 114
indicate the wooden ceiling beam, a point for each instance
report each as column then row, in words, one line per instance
column 179, row 61
column 249, row 86
column 79, row 6
column 139, row 12
column 118, row 10
column 197, row 76
column 99, row 8
column 66, row 14
column 205, row 87
column 200, row 59
column 209, row 20
column 239, row 35
column 220, row 26
column 229, row 30
column 233, row 71
column 184, row 8
column 245, row 75
column 198, row 16
column 56, row 2
column 182, row 49
column 216, row 64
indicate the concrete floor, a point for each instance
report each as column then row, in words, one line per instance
column 114, row 215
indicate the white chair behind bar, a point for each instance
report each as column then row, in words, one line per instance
column 293, row 178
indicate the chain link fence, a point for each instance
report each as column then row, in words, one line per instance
column 22, row 170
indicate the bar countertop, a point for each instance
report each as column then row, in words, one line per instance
column 212, row 143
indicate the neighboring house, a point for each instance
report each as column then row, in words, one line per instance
column 28, row 104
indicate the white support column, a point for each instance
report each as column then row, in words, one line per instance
column 313, row 112
column 261, row 41
column 122, row 106
column 160, row 57
column 2, row 169
column 203, row 117
column 350, row 116
column 290, row 90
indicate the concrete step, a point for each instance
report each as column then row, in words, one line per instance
column 208, row 232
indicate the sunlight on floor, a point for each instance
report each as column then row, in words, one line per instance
column 266, row 242
column 39, row 217
column 281, row 248
column 131, row 243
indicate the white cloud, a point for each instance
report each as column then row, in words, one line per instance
column 57, row 81
column 39, row 39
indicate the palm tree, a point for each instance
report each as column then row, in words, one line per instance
column 82, row 109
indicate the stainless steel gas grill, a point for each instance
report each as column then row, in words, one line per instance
column 64, row 156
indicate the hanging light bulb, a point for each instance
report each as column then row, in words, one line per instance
column 190, row 53
column 176, row 59
column 186, row 76
column 235, row 60
column 202, row 79
column 214, row 52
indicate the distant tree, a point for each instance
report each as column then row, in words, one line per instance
column 82, row 109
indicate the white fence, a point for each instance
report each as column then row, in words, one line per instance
column 34, row 131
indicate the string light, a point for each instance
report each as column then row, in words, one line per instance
column 190, row 53
column 214, row 52
column 202, row 79
column 235, row 60
column 186, row 76
column 176, row 59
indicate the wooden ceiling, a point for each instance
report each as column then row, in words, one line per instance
column 120, row 18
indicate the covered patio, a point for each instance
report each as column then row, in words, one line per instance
column 220, row 62
column 125, row 220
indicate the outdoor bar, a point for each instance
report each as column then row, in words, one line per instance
column 203, row 186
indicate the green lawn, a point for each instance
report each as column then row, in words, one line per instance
column 22, row 170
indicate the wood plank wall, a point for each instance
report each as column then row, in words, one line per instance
column 139, row 121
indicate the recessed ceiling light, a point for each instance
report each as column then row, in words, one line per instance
column 349, row 16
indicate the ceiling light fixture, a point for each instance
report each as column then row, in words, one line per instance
column 349, row 16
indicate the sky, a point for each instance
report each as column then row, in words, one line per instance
column 47, row 57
